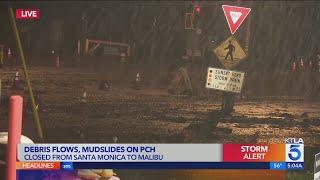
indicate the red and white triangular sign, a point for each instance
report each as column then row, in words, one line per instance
column 235, row 15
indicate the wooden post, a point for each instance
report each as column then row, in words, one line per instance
column 227, row 103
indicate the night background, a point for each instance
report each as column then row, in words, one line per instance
column 281, row 31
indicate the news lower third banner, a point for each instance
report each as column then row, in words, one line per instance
column 161, row 156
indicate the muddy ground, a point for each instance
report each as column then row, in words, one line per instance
column 151, row 115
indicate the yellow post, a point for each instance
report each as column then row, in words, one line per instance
column 21, row 54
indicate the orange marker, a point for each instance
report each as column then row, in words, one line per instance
column 294, row 67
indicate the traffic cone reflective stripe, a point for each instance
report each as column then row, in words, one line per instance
column 310, row 65
column 294, row 67
column 301, row 64
column 16, row 77
column 84, row 96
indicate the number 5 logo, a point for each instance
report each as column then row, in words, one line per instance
column 294, row 152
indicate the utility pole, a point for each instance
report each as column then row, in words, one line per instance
column 248, row 32
column 84, row 31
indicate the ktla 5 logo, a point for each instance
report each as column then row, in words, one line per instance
column 295, row 152
column 27, row 13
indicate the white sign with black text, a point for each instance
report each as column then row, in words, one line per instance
column 317, row 167
column 224, row 80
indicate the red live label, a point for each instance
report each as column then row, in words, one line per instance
column 28, row 14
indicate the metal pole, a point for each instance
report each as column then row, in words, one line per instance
column 248, row 32
column 21, row 54
column 227, row 103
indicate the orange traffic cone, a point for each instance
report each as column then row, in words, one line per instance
column 138, row 81
column 138, row 77
column 294, row 67
column 123, row 57
column 310, row 65
column 186, row 135
column 302, row 64
column 84, row 97
column 9, row 52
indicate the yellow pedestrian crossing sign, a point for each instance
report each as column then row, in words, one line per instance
column 230, row 53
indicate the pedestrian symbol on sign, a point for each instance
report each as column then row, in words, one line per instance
column 230, row 53
column 231, row 50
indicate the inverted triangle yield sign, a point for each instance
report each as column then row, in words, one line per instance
column 235, row 16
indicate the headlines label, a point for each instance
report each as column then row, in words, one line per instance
column 38, row 165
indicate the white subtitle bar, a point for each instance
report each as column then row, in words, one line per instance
column 120, row 152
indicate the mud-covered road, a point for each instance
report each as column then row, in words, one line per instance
column 152, row 115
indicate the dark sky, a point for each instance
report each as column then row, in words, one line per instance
column 280, row 30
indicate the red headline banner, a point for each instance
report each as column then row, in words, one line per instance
column 254, row 152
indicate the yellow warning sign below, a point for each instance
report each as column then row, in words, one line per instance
column 230, row 53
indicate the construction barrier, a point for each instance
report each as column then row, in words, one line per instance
column 92, row 45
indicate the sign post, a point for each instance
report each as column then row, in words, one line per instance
column 230, row 54
column 229, row 82
column 317, row 167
